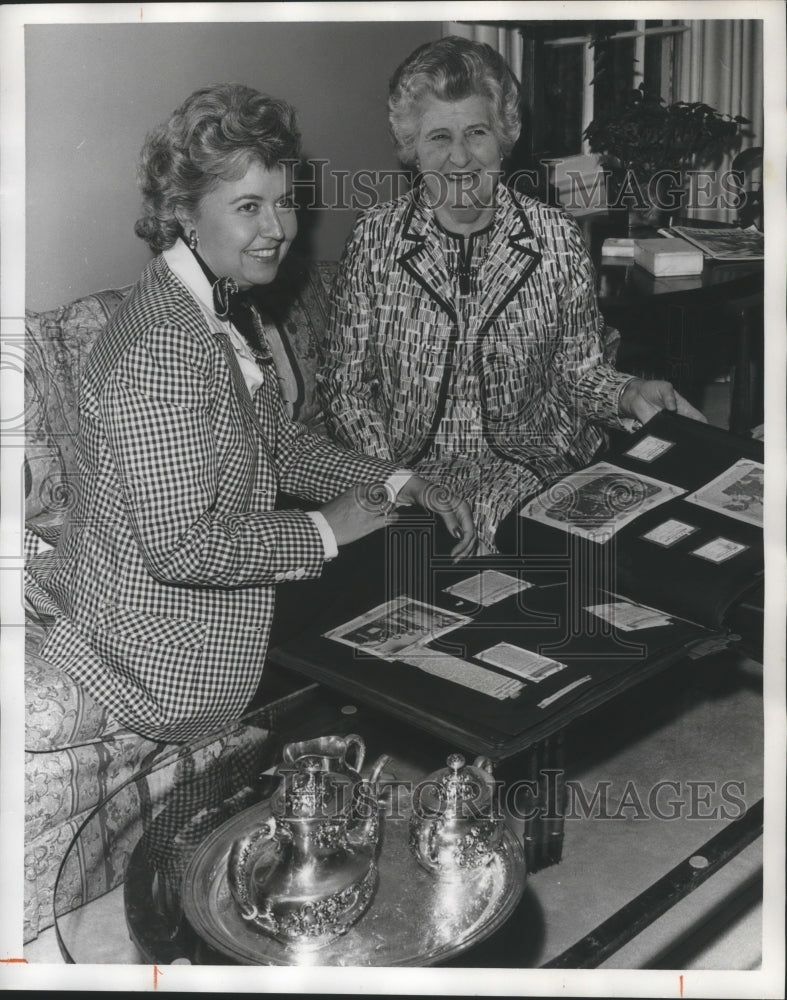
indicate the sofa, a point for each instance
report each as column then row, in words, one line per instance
column 75, row 755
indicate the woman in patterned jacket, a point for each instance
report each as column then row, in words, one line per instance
column 465, row 339
column 167, row 571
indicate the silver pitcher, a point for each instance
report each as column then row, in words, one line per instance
column 308, row 874
column 455, row 826
column 339, row 754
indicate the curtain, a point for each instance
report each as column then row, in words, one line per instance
column 506, row 41
column 721, row 64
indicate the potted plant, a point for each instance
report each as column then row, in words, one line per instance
column 647, row 145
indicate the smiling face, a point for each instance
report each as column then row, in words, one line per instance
column 245, row 227
column 460, row 157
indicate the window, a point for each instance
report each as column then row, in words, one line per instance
column 570, row 67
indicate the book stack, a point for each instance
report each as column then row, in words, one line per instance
column 681, row 250
column 664, row 256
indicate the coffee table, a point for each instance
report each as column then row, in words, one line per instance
column 671, row 728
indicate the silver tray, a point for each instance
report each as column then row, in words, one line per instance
column 414, row 919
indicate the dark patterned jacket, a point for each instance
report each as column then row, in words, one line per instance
column 537, row 341
column 166, row 573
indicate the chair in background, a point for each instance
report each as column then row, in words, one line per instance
column 744, row 316
column 747, row 184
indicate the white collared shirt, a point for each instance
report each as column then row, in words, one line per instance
column 184, row 265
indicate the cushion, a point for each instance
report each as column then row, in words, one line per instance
column 57, row 344
column 64, row 783
column 216, row 776
column 59, row 713
column 296, row 304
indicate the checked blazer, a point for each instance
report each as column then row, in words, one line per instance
column 166, row 572
column 534, row 339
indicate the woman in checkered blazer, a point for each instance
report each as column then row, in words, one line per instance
column 165, row 576
column 465, row 340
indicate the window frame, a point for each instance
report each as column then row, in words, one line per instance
column 537, row 36
column 640, row 33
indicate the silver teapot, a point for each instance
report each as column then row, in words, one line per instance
column 308, row 873
column 455, row 826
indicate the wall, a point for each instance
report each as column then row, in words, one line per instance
column 93, row 92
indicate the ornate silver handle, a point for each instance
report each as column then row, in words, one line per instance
column 484, row 763
column 354, row 740
column 237, row 867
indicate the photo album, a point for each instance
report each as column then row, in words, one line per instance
column 613, row 573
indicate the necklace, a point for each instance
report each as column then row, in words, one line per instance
column 461, row 259
column 458, row 248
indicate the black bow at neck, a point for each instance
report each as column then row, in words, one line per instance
column 234, row 304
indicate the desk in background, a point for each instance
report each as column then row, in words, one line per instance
column 689, row 329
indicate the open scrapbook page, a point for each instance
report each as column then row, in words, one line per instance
column 676, row 512
column 610, row 574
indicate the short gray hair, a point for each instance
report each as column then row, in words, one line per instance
column 452, row 69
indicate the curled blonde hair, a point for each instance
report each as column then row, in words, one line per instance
column 215, row 134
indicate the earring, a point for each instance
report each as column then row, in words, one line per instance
column 193, row 239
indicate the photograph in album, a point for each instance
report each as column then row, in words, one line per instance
column 738, row 492
column 596, row 502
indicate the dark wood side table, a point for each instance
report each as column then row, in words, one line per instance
column 686, row 329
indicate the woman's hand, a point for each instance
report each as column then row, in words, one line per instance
column 358, row 512
column 643, row 400
column 363, row 509
column 455, row 512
